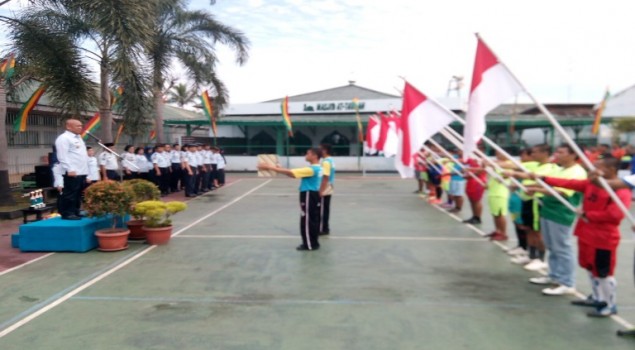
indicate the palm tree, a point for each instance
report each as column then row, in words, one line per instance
column 108, row 32
column 189, row 37
column 47, row 40
column 181, row 95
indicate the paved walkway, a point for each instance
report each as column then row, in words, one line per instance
column 396, row 273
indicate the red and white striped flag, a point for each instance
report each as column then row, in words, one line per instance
column 421, row 118
column 372, row 134
column 492, row 84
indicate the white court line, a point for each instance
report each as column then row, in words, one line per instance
column 280, row 194
column 133, row 242
column 579, row 295
column 25, row 264
column 361, row 238
column 116, row 268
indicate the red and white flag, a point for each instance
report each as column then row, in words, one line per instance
column 421, row 118
column 492, row 84
column 392, row 136
column 372, row 134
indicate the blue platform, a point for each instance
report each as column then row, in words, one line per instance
column 57, row 235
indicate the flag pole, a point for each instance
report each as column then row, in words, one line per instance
column 567, row 138
column 455, row 138
column 449, row 155
column 549, row 189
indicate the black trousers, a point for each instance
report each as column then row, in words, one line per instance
column 132, row 175
column 164, row 180
column 199, row 179
column 207, row 175
column 176, row 177
column 220, row 174
column 112, row 175
column 325, row 211
column 310, row 219
column 190, row 181
column 214, row 176
column 71, row 197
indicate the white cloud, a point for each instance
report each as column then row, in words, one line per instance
column 562, row 50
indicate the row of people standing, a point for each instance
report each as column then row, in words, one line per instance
column 195, row 168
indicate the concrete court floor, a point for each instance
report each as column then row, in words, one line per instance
column 396, row 273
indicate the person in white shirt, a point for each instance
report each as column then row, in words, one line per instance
column 208, row 155
column 201, row 168
column 161, row 162
column 142, row 162
column 93, row 167
column 177, row 174
column 220, row 166
column 190, row 166
column 73, row 158
column 127, row 163
column 108, row 164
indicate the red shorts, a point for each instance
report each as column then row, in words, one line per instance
column 474, row 191
column 601, row 262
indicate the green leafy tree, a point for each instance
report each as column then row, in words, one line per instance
column 189, row 38
column 52, row 41
column 181, row 95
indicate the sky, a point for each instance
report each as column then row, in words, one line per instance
column 562, row 51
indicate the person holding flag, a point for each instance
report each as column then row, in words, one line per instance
column 311, row 179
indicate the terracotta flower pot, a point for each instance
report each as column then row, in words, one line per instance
column 158, row 235
column 137, row 233
column 112, row 240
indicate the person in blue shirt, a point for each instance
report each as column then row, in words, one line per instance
column 311, row 179
column 326, row 188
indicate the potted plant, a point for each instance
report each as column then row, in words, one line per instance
column 109, row 198
column 142, row 190
column 158, row 225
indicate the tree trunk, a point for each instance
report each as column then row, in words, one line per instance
column 5, row 187
column 158, row 110
column 105, row 110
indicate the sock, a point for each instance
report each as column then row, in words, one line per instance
column 533, row 253
column 595, row 294
column 607, row 288
column 522, row 237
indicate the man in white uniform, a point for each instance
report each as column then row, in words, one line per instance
column 73, row 159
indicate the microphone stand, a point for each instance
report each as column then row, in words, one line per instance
column 112, row 152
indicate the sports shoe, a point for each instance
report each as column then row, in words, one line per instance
column 626, row 333
column 535, row 265
column 447, row 206
column 454, row 210
column 542, row 280
column 516, row 251
column 558, row 290
column 520, row 260
column 498, row 237
column 603, row 311
column 473, row 220
column 434, row 201
column 491, row 234
column 588, row 302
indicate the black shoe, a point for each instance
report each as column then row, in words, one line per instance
column 626, row 333
column 325, row 233
column 303, row 247
column 588, row 302
column 71, row 217
column 474, row 221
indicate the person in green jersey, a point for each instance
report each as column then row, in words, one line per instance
column 498, row 200
column 311, row 178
